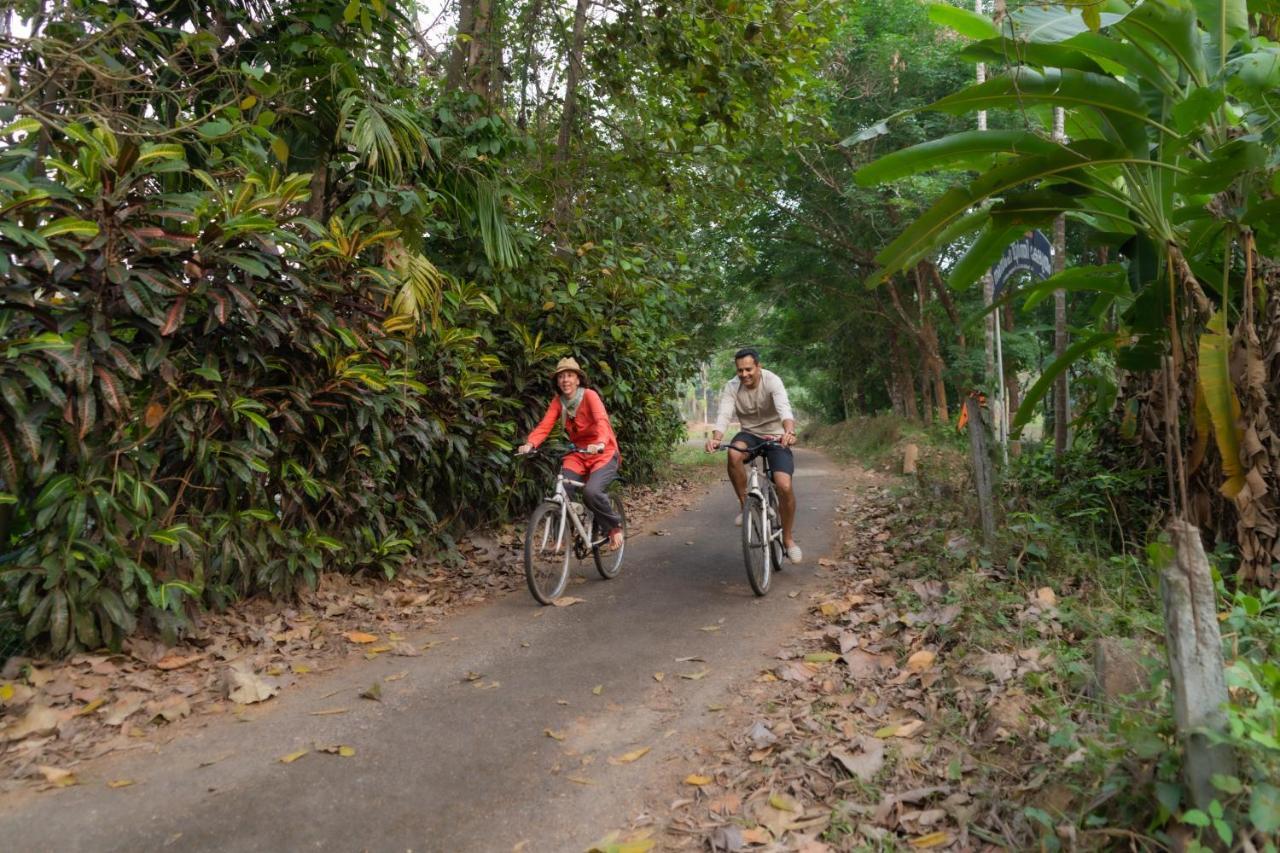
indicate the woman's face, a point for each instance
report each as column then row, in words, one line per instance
column 568, row 382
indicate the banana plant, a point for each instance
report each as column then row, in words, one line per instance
column 1172, row 121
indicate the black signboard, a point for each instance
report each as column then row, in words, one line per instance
column 1031, row 253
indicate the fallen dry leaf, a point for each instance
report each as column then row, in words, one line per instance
column 374, row 692
column 119, row 783
column 343, row 751
column 1046, row 597
column 658, row 676
column 866, row 762
column 245, row 687
column 171, row 661
column 56, row 776
column 567, row 601
column 921, row 660
column 598, row 689
column 821, row 657
column 709, row 628
column 396, row 676
column 631, row 756
column 327, row 712
column 696, row 779
column 940, row 838
column 37, row 721
column 554, row 735
column 360, row 637
column 695, row 676
column 757, row 835
column 293, row 756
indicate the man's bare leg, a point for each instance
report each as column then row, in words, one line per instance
column 738, row 472
column 786, row 506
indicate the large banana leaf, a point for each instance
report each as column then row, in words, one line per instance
column 1122, row 108
column 1110, row 279
column 1170, row 27
column 963, row 21
column 1124, row 58
column 1042, row 385
column 984, row 252
column 1227, row 22
column 1221, row 401
column 1006, row 51
column 923, row 234
column 973, row 149
column 1050, row 24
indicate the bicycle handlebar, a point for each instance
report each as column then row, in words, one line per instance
column 565, row 449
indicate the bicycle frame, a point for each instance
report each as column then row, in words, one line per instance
column 754, row 476
column 560, row 495
column 755, row 463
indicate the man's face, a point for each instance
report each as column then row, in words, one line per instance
column 748, row 371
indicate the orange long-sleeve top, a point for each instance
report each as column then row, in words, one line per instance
column 589, row 426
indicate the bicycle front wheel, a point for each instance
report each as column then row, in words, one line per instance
column 754, row 546
column 609, row 563
column 775, row 530
column 548, row 542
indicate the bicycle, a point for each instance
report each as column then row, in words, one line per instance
column 547, row 549
column 762, row 549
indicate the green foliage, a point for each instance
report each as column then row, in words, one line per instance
column 276, row 305
column 1095, row 495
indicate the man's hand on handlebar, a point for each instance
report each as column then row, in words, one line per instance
column 713, row 444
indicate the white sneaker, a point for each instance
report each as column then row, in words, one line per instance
column 794, row 554
column 737, row 522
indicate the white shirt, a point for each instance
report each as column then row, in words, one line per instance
column 760, row 410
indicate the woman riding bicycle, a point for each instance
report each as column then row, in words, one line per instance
column 582, row 414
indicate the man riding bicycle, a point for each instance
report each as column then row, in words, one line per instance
column 758, row 400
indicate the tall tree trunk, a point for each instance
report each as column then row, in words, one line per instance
column 573, row 71
column 948, row 304
column 457, row 71
column 481, row 66
column 932, row 348
column 533, row 15
column 902, row 375
column 923, row 376
column 473, row 60
column 1061, row 398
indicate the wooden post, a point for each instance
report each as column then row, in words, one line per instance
column 1194, row 646
column 910, row 455
column 981, row 469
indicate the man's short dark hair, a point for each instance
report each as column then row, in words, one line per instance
column 747, row 351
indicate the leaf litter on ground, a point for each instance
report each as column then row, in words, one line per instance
column 866, row 665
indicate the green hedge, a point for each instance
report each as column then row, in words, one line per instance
column 206, row 394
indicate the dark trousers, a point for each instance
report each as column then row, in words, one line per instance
column 593, row 493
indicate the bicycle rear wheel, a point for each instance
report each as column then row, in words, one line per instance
column 609, row 563
column 548, row 543
column 754, row 546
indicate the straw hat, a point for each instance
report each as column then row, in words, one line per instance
column 569, row 364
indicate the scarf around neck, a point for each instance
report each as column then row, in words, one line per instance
column 570, row 404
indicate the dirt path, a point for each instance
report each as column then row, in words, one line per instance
column 515, row 727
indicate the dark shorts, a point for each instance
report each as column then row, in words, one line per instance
column 781, row 461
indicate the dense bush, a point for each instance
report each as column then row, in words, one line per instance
column 227, row 361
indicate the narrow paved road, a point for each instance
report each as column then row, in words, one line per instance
column 447, row 764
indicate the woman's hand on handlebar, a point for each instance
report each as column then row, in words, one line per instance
column 524, row 449
column 594, row 448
